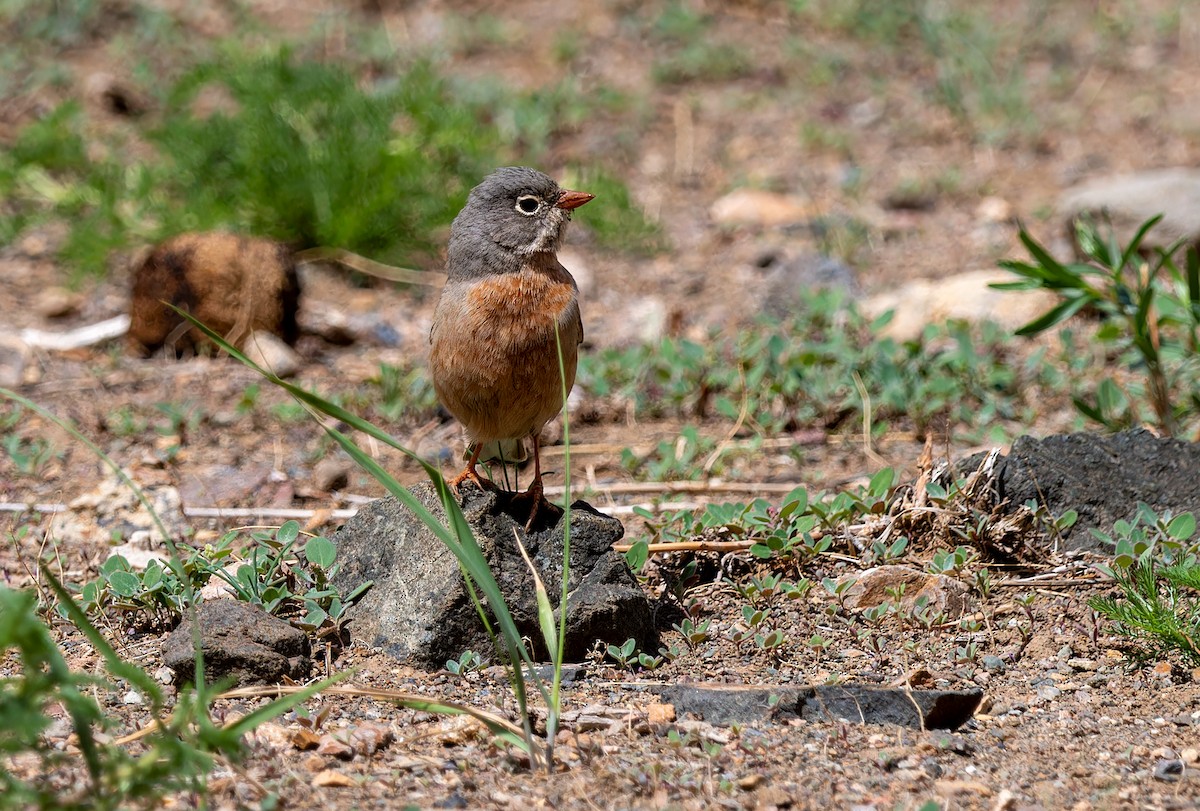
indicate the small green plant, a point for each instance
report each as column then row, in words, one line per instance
column 1158, row 608
column 285, row 578
column 468, row 661
column 693, row 633
column 1151, row 320
column 1165, row 536
column 29, row 455
column 624, row 654
column 178, row 751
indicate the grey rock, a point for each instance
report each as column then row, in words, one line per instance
column 241, row 641
column 1102, row 478
column 419, row 610
column 993, row 664
column 1169, row 770
column 1129, row 200
column 918, row 709
column 271, row 353
column 332, row 473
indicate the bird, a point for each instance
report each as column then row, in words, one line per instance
column 506, row 312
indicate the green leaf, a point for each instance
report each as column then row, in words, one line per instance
column 1055, row 315
column 320, row 552
column 881, row 482
column 638, row 554
column 1182, row 527
column 288, row 532
column 125, row 584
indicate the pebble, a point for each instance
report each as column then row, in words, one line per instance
column 270, row 352
column 1168, row 770
column 1077, row 663
column 332, row 747
column 133, row 697
column 1048, row 692
column 332, row 779
column 993, row 664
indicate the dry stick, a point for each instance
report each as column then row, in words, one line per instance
column 371, row 267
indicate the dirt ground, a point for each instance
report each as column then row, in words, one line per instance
column 1067, row 721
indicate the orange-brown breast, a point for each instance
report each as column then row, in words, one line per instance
column 494, row 359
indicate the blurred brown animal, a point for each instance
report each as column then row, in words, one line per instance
column 235, row 285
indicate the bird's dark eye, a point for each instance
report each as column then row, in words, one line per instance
column 528, row 204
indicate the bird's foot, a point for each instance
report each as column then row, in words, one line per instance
column 539, row 506
column 472, row 475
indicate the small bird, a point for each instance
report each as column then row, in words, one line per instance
column 507, row 308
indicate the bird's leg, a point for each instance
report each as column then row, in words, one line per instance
column 471, row 473
column 535, row 494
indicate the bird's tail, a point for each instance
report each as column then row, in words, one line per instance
column 509, row 451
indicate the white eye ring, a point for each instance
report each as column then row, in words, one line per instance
column 528, row 204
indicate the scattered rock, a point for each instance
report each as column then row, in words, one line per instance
column 330, row 746
column 241, row 641
column 57, row 302
column 332, row 473
column 758, row 207
column 994, row 210
column 113, row 510
column 993, row 664
column 14, row 358
column 271, row 353
column 965, row 296
column 235, row 285
column 920, row 709
column 660, row 713
column 870, row 588
column 1129, row 200
column 305, row 739
column 419, row 610
column 1102, row 478
column 1168, row 770
column 331, row 778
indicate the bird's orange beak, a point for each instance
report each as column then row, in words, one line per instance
column 571, row 200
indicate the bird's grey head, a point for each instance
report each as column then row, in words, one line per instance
column 514, row 213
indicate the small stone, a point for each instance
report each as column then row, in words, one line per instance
column 332, row 747
column 871, row 588
column 993, row 664
column 133, row 698
column 57, row 302
column 1077, row 663
column 758, row 207
column 14, row 357
column 1065, row 653
column 1048, row 692
column 313, row 763
column 271, row 353
column 305, row 739
column 751, row 781
column 1190, row 756
column 1163, row 670
column 367, row 739
column 164, row 675
column 332, row 473
column 994, row 210
column 1005, row 800
column 332, row 779
column 1169, row 770
column 660, row 713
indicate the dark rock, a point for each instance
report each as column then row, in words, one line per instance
column 241, row 641
column 919, row 709
column 420, row 611
column 1168, row 770
column 1101, row 477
